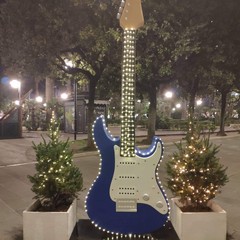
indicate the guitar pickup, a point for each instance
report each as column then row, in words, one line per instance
column 126, row 205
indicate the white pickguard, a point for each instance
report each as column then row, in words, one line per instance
column 134, row 181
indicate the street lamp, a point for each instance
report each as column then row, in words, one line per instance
column 199, row 102
column 178, row 105
column 39, row 99
column 17, row 102
column 64, row 96
column 70, row 64
column 17, row 84
column 168, row 94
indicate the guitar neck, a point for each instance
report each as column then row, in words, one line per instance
column 127, row 147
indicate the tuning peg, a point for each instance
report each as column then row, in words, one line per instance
column 119, row 12
column 120, row 9
column 122, row 3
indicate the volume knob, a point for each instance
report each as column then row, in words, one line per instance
column 146, row 197
column 159, row 204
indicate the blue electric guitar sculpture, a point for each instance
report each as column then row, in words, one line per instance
column 126, row 197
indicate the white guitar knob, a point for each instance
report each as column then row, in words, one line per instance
column 146, row 197
column 159, row 204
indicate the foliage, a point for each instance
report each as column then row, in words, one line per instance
column 162, row 123
column 191, row 66
column 57, row 107
column 194, row 171
column 33, row 115
column 57, row 181
column 84, row 32
column 95, row 54
column 28, row 45
column 7, row 94
column 194, row 42
column 114, row 108
column 155, row 45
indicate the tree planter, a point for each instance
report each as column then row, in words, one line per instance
column 199, row 225
column 49, row 225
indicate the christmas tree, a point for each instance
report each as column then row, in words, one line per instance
column 57, row 181
column 194, row 171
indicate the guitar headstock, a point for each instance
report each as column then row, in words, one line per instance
column 130, row 14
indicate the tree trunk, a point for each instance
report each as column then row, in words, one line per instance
column 49, row 89
column 37, row 80
column 152, row 114
column 192, row 97
column 191, row 106
column 49, row 93
column 92, row 86
column 222, row 115
column 69, row 88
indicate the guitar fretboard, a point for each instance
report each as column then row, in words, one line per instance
column 128, row 95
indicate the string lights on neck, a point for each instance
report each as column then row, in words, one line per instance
column 128, row 95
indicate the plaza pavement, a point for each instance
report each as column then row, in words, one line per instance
column 17, row 161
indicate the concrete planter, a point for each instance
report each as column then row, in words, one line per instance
column 199, row 225
column 49, row 225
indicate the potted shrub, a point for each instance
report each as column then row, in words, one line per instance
column 56, row 184
column 195, row 176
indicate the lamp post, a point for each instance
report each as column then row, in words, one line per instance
column 70, row 64
column 75, row 109
column 17, row 84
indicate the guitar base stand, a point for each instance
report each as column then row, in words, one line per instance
column 85, row 230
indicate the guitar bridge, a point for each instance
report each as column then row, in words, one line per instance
column 126, row 205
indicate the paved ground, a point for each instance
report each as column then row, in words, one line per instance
column 17, row 161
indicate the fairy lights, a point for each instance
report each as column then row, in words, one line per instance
column 125, row 154
column 128, row 95
column 148, row 152
column 54, row 167
column 194, row 170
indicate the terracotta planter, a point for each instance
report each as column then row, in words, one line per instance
column 199, row 225
column 49, row 225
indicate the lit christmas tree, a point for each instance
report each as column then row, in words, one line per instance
column 194, row 172
column 57, row 181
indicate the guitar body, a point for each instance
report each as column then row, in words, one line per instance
column 129, row 211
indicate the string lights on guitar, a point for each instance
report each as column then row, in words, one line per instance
column 146, row 152
column 128, row 95
column 143, row 153
column 127, row 187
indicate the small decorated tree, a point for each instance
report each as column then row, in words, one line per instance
column 57, row 181
column 194, row 172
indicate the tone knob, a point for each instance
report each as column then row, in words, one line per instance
column 159, row 204
column 146, row 197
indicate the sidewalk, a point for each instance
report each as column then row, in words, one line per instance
column 17, row 161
